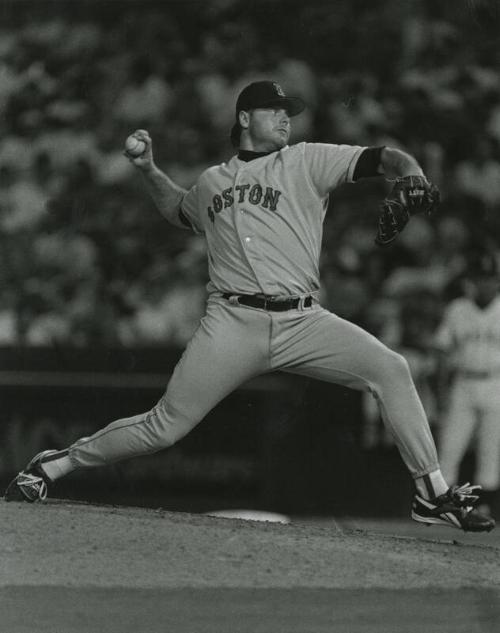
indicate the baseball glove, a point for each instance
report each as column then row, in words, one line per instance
column 409, row 195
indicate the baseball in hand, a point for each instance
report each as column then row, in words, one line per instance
column 134, row 146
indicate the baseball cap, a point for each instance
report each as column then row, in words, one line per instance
column 264, row 94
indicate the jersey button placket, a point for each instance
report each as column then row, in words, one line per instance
column 240, row 217
column 237, row 204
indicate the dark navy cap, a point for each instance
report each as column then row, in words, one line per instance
column 264, row 94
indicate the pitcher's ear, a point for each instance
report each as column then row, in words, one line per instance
column 244, row 118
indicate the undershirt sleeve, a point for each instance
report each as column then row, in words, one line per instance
column 368, row 163
column 184, row 220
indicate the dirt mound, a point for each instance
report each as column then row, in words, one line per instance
column 75, row 544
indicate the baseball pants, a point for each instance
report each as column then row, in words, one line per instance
column 235, row 343
column 473, row 422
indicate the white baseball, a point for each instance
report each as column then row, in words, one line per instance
column 134, row 146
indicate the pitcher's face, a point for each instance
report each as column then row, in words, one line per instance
column 268, row 129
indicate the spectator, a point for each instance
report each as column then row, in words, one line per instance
column 23, row 202
column 480, row 175
column 145, row 98
column 8, row 318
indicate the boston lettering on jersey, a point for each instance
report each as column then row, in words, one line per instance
column 267, row 197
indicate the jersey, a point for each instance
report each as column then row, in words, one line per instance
column 471, row 335
column 263, row 219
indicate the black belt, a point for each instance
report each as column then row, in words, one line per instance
column 268, row 303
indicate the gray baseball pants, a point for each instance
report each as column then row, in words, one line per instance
column 235, row 343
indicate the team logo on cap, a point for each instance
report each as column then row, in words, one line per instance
column 279, row 89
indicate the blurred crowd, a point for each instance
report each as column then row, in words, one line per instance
column 86, row 259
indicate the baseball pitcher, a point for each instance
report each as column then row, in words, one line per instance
column 261, row 214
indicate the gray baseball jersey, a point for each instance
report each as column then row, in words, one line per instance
column 471, row 335
column 263, row 219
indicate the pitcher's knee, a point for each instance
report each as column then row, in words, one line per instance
column 394, row 370
column 398, row 363
column 166, row 425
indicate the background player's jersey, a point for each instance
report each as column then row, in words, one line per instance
column 263, row 219
column 472, row 335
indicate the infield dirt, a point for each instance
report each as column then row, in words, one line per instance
column 73, row 567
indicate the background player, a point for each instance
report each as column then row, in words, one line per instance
column 262, row 214
column 469, row 337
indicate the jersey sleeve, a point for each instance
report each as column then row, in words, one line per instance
column 189, row 211
column 330, row 165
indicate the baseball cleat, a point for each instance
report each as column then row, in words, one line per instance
column 454, row 508
column 31, row 484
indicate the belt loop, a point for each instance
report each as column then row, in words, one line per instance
column 233, row 300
